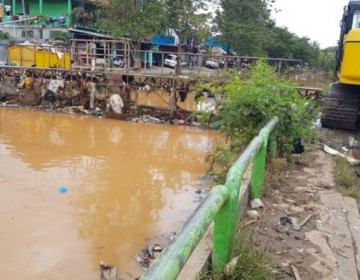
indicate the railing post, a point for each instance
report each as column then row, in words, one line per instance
column 227, row 219
column 222, row 240
column 258, row 170
column 273, row 144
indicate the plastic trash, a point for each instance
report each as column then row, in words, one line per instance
column 285, row 220
column 300, row 226
column 64, row 189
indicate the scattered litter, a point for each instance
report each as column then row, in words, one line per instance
column 333, row 152
column 108, row 272
column 300, row 226
column 332, row 249
column 285, row 220
column 256, row 203
column 286, row 264
column 297, row 209
column 296, row 272
column 345, row 149
column 150, row 119
column 146, row 256
column 231, row 266
column 298, row 146
column 353, row 143
column 253, row 214
column 63, row 189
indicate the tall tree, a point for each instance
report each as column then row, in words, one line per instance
column 243, row 24
column 327, row 61
column 135, row 19
column 188, row 19
column 284, row 44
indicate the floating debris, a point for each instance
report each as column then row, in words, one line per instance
column 108, row 272
column 63, row 189
column 146, row 256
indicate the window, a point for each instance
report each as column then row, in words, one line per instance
column 27, row 33
column 356, row 20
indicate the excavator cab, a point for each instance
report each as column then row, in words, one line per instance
column 341, row 105
column 348, row 53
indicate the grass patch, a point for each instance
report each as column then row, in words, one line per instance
column 344, row 175
column 346, row 179
column 355, row 193
column 275, row 172
column 252, row 263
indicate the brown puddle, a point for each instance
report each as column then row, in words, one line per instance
column 128, row 183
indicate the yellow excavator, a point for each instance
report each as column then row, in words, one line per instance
column 341, row 104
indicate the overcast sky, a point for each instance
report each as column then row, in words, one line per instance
column 317, row 19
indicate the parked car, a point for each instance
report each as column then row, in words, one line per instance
column 171, row 61
column 214, row 64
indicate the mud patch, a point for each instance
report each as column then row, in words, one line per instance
column 293, row 198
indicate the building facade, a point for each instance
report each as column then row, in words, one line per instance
column 37, row 20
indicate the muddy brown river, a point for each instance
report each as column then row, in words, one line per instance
column 128, row 184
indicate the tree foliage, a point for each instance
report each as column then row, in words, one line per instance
column 327, row 60
column 243, row 24
column 4, row 35
column 185, row 18
column 250, row 101
column 246, row 25
column 135, row 19
column 282, row 43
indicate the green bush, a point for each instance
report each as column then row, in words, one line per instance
column 61, row 36
column 4, row 35
column 249, row 101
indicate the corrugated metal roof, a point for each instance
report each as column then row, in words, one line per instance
column 90, row 33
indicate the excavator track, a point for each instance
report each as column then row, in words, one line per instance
column 341, row 107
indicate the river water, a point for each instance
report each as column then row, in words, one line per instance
column 127, row 184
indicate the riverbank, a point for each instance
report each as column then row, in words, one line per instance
column 326, row 246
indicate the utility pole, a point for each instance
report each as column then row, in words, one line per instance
column 24, row 14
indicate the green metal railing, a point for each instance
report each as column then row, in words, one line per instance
column 221, row 205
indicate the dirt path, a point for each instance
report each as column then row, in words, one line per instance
column 326, row 247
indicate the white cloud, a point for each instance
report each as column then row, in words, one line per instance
column 317, row 19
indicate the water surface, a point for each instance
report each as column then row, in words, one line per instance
column 128, row 184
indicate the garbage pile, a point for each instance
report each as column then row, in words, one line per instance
column 147, row 256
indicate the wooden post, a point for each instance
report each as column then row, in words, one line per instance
column 136, row 102
column 69, row 11
column 41, row 5
column 162, row 63
column 87, row 52
column 3, row 11
column 173, row 100
column 238, row 64
column 279, row 70
column 14, row 7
